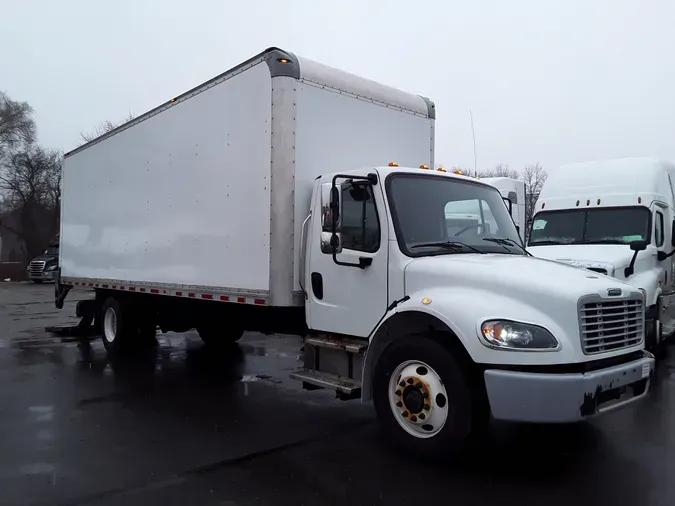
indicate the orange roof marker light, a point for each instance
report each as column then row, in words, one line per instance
column 457, row 171
column 393, row 164
column 441, row 169
column 424, row 166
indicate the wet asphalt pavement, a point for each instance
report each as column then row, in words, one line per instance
column 186, row 426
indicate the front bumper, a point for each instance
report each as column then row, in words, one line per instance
column 44, row 275
column 562, row 398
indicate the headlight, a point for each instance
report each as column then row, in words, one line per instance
column 518, row 336
column 51, row 267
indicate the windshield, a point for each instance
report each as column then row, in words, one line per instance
column 52, row 250
column 620, row 225
column 436, row 215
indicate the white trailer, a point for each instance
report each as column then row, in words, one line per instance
column 262, row 200
column 615, row 217
column 513, row 190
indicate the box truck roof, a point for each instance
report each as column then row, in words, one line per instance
column 286, row 64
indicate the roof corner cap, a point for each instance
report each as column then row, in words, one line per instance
column 431, row 107
column 291, row 68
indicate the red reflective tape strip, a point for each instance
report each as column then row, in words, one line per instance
column 142, row 289
column 259, row 301
column 91, row 284
column 224, row 297
column 207, row 296
column 104, row 286
column 121, row 287
column 241, row 299
column 132, row 288
column 96, row 285
column 191, row 295
column 179, row 294
column 154, row 290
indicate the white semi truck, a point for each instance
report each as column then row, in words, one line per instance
column 265, row 200
column 615, row 217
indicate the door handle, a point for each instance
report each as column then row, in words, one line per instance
column 317, row 285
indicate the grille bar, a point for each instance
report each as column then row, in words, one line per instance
column 610, row 325
column 36, row 267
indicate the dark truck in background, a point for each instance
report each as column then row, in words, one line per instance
column 44, row 267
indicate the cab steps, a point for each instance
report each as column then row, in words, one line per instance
column 333, row 363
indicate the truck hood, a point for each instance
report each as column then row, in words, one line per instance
column 589, row 256
column 526, row 278
column 45, row 258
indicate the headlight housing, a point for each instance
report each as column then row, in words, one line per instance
column 510, row 335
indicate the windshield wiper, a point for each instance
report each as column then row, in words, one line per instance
column 504, row 241
column 451, row 245
column 608, row 241
column 547, row 243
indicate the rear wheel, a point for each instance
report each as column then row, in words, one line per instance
column 119, row 330
column 422, row 398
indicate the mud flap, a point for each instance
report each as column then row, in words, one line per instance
column 60, row 291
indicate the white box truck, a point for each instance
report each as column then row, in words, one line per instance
column 615, row 217
column 264, row 200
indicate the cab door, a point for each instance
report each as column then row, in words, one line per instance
column 665, row 242
column 347, row 286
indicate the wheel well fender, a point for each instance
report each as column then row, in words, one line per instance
column 405, row 323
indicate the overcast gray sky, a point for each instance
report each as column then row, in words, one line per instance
column 548, row 81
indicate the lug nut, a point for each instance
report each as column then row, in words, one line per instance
column 410, row 381
column 399, row 404
column 419, row 385
column 413, row 418
column 401, row 384
column 398, row 392
column 422, row 416
column 426, row 395
column 426, row 407
column 405, row 413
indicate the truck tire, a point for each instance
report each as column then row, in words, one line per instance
column 422, row 398
column 654, row 338
column 117, row 325
column 219, row 336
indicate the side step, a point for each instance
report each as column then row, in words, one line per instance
column 333, row 362
column 345, row 388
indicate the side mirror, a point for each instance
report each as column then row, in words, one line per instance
column 331, row 204
column 331, row 243
column 672, row 235
column 638, row 245
column 508, row 204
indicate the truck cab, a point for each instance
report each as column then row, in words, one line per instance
column 44, row 267
column 455, row 313
column 616, row 218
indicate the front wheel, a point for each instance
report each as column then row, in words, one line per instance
column 422, row 398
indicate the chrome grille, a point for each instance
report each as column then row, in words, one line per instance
column 36, row 267
column 609, row 325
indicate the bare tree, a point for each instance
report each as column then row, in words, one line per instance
column 105, row 127
column 30, row 183
column 500, row 170
column 534, row 177
column 17, row 125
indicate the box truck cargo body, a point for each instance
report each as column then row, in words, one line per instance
column 210, row 189
column 288, row 196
